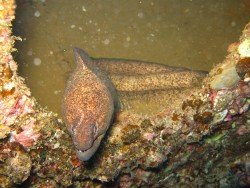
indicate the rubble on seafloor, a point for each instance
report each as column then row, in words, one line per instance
column 202, row 142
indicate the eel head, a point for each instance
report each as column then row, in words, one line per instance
column 86, row 141
column 88, row 105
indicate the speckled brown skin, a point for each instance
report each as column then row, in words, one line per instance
column 157, row 81
column 88, row 105
column 133, row 67
column 133, row 76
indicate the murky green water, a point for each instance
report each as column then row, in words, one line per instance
column 187, row 33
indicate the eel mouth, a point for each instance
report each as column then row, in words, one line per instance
column 85, row 155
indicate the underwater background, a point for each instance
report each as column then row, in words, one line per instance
column 192, row 34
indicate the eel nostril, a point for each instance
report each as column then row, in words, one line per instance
column 95, row 130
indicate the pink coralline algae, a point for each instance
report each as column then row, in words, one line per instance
column 242, row 130
column 15, row 99
column 13, row 108
column 28, row 135
column 212, row 95
column 231, row 101
column 149, row 136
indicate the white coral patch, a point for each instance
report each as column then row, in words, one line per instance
column 244, row 49
column 228, row 78
column 9, row 86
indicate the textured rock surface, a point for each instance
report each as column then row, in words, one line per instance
column 199, row 139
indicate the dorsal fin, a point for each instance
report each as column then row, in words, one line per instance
column 82, row 59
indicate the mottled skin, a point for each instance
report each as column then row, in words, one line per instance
column 88, row 105
column 131, row 75
column 147, row 88
column 90, row 98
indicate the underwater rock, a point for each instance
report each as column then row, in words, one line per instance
column 244, row 49
column 243, row 66
column 227, row 77
column 15, row 163
column 19, row 167
column 235, row 67
column 4, row 131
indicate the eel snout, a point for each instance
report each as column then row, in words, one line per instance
column 86, row 141
column 84, row 138
column 88, row 105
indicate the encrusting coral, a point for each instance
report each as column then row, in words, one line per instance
column 201, row 138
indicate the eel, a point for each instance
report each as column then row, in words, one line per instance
column 98, row 88
column 88, row 105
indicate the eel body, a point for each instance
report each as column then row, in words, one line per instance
column 92, row 92
column 131, row 75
